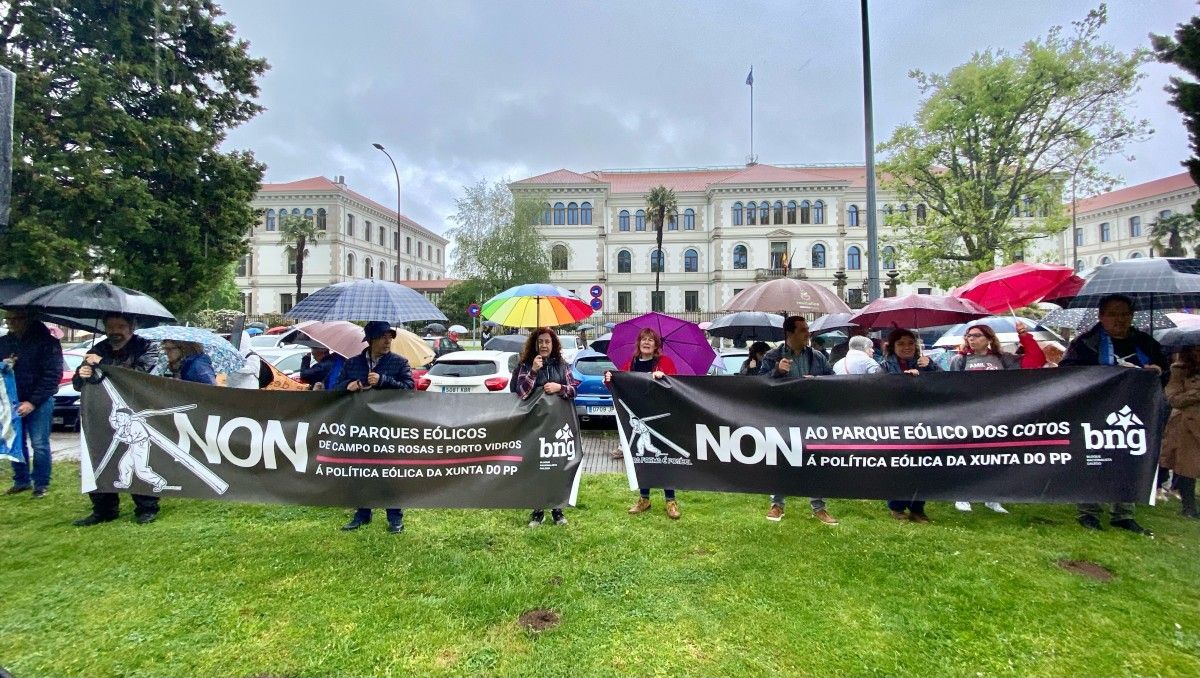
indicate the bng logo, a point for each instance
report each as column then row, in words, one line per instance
column 1125, row 431
column 563, row 447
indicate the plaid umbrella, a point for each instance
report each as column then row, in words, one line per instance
column 787, row 295
column 1151, row 283
column 748, row 326
column 683, row 342
column 225, row 358
column 82, row 305
column 535, row 305
column 366, row 299
column 1082, row 319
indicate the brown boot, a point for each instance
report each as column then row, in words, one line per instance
column 672, row 510
column 823, row 516
column 900, row 515
column 642, row 505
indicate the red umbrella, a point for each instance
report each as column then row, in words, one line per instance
column 1065, row 291
column 918, row 310
column 280, row 329
column 1013, row 286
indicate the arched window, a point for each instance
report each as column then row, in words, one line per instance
column 764, row 213
column 1164, row 214
column 295, row 211
column 322, row 220
column 791, row 212
column 888, row 209
column 691, row 261
column 751, row 213
column 1104, row 261
column 1105, row 232
column 689, row 219
column 853, row 215
column 560, row 214
column 572, row 214
column 623, row 220
column 420, row 274
column 921, row 214
column 1136, row 255
column 818, row 256
column 585, row 214
column 639, row 220
column 854, row 258
column 350, row 265
column 309, row 214
column 889, row 258
column 904, row 211
column 672, row 222
column 558, row 258
column 805, row 212
column 819, row 212
column 739, row 257
column 1078, row 265
column 546, row 215
column 408, row 273
column 270, row 220
column 624, row 262
column 778, row 216
column 367, row 268
column 656, row 261
column 396, row 272
column 737, row 214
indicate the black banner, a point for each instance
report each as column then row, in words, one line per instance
column 1051, row 435
column 151, row 435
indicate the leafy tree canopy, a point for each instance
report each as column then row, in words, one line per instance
column 1184, row 51
column 495, row 240
column 997, row 138
column 120, row 110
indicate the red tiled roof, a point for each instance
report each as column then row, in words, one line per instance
column 429, row 285
column 559, row 176
column 1177, row 182
column 324, row 184
column 683, row 181
column 769, row 174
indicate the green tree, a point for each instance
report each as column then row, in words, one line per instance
column 1169, row 235
column 459, row 296
column 296, row 232
column 225, row 295
column 496, row 241
column 1184, row 51
column 120, row 110
column 660, row 202
column 996, row 138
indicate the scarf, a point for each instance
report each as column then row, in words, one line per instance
column 1106, row 351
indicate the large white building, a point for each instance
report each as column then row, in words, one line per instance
column 361, row 240
column 736, row 226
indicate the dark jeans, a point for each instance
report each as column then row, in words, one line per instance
column 1120, row 511
column 37, row 435
column 915, row 507
column 668, row 493
column 394, row 515
column 108, row 504
column 1187, row 493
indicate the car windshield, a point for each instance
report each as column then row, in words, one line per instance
column 733, row 363
column 462, row 368
column 593, row 367
column 568, row 342
column 264, row 341
column 73, row 361
column 290, row 363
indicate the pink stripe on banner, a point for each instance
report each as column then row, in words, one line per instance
column 417, row 462
column 939, row 446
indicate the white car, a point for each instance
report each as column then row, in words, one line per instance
column 469, row 372
column 570, row 346
column 286, row 359
column 265, row 341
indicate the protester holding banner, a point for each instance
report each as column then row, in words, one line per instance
column 649, row 358
column 325, row 370
column 750, row 365
column 858, row 359
column 794, row 358
column 377, row 368
column 542, row 368
column 904, row 357
column 123, row 348
column 187, row 362
column 1115, row 341
column 37, row 362
column 1181, row 439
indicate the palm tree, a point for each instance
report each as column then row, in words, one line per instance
column 660, row 202
column 297, row 231
column 1174, row 230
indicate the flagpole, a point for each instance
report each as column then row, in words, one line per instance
column 751, row 82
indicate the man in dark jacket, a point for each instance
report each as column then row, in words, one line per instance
column 38, row 367
column 121, row 348
column 795, row 358
column 1115, row 341
column 322, row 369
column 377, row 368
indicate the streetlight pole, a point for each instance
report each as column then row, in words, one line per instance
column 869, row 131
column 396, row 270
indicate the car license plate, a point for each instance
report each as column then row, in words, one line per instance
column 456, row 389
column 601, row 409
column 60, row 420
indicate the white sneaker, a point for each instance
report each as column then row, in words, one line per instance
column 962, row 505
column 995, row 506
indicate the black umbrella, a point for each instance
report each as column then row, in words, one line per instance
column 1152, row 284
column 506, row 342
column 1180, row 337
column 490, row 323
column 831, row 322
column 82, row 305
column 748, row 326
column 11, row 287
column 435, row 328
column 600, row 343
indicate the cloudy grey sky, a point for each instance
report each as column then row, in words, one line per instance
column 459, row 90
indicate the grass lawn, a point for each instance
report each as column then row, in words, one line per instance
column 223, row 589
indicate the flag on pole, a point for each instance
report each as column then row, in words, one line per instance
column 750, row 77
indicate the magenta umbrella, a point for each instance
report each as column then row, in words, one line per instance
column 918, row 310
column 1013, row 286
column 683, row 342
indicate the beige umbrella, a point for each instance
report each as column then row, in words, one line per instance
column 788, row 296
column 412, row 347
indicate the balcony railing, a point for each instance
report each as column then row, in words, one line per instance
column 763, row 274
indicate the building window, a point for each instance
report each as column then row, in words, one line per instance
column 349, row 225
column 1078, row 237
column 1105, row 232
column 854, row 258
column 408, row 245
column 558, row 258
column 368, row 269
column 243, row 266
column 1104, row 261
column 396, row 272
column 623, row 220
column 439, row 257
column 889, row 258
column 854, row 295
column 396, row 240
column 737, row 214
column 285, row 303
column 1164, row 214
column 691, row 300
column 420, row 274
column 658, row 301
column 924, row 290
column 921, row 214
column 751, row 213
column 270, row 220
column 778, row 215
column 805, row 212
column 572, row 214
column 350, row 265
column 656, row 262
column 367, row 231
column 779, row 254
column 291, row 261
column 624, row 262
column 764, row 213
column 1135, row 227
column 624, row 302
column 546, row 215
column 382, row 238
column 791, row 212
column 309, row 214
column 585, row 214
column 1078, row 265
column 560, row 214
column 689, row 219
column 672, row 222
column 888, row 210
column 691, row 261
column 739, row 258
column 853, row 215
column 639, row 220
column 819, row 212
column 1136, row 255
column 408, row 272
column 818, row 256
column 420, row 250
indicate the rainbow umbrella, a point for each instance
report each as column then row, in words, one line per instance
column 535, row 305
